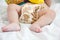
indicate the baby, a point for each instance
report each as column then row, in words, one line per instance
column 38, row 15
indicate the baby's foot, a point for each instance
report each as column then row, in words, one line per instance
column 11, row 27
column 35, row 27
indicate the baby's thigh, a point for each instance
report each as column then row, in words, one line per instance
column 44, row 6
column 14, row 7
column 43, row 9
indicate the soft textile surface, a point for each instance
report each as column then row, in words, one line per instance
column 49, row 32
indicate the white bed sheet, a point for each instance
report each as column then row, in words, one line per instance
column 49, row 32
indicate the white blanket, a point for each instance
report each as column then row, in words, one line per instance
column 49, row 32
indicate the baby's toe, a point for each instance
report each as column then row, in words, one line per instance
column 37, row 30
column 4, row 29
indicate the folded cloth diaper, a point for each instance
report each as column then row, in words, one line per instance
column 29, row 13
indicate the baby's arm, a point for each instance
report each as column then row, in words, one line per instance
column 48, row 2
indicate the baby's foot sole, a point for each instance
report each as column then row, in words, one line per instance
column 11, row 27
column 36, row 28
column 8, row 30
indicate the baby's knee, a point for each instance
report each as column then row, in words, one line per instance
column 51, row 13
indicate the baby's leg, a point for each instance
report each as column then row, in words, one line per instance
column 45, row 19
column 13, row 14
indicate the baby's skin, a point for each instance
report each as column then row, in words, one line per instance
column 46, row 16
